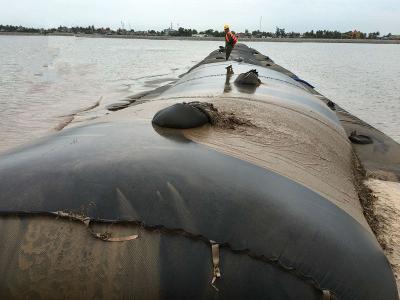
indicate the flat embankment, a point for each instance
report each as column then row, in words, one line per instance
column 242, row 39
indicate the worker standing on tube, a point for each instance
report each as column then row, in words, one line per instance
column 230, row 41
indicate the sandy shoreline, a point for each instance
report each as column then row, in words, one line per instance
column 182, row 38
column 386, row 208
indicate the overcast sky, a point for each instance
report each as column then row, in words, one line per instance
column 300, row 15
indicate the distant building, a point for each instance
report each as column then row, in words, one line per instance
column 390, row 37
column 394, row 37
column 241, row 34
column 169, row 31
column 140, row 33
column 199, row 35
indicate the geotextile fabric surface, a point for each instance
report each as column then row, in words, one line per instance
column 209, row 225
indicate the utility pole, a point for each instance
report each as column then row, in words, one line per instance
column 260, row 22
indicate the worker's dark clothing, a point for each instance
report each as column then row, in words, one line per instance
column 230, row 42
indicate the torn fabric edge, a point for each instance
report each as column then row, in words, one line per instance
column 175, row 231
column 215, row 261
column 105, row 236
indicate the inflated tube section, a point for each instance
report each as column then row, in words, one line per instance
column 126, row 209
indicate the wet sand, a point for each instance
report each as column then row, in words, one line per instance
column 68, row 119
column 386, row 206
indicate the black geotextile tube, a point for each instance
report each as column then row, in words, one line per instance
column 128, row 171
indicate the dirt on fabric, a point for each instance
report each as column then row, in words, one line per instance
column 221, row 119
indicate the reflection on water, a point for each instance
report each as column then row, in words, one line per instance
column 44, row 79
column 229, row 73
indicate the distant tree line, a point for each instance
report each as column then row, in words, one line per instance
column 212, row 32
column 60, row 29
column 279, row 32
column 11, row 28
column 319, row 34
column 183, row 32
column 327, row 34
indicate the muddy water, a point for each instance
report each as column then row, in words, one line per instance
column 43, row 80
